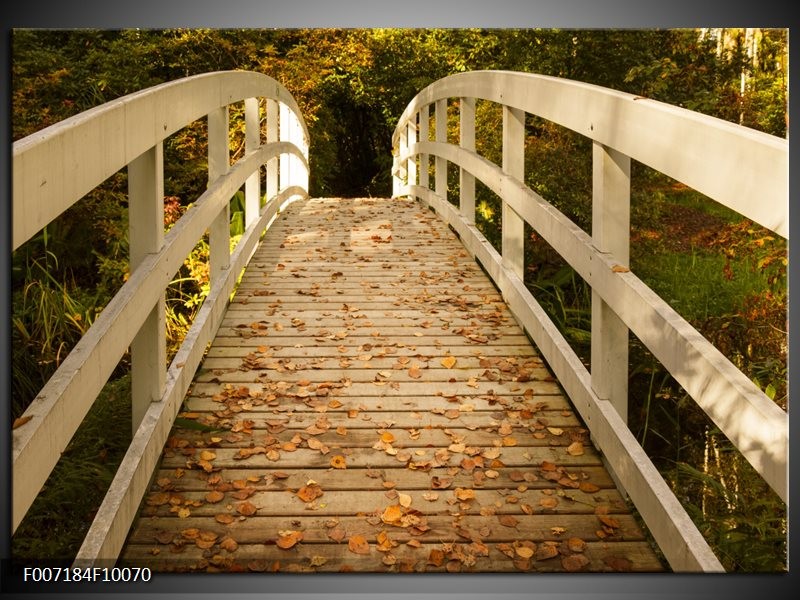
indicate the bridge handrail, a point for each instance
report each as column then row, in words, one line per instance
column 53, row 169
column 729, row 163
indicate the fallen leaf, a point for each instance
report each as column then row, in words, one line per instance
column 548, row 502
column 524, row 551
column 229, row 544
column 618, row 563
column 576, row 544
column 436, row 557
column 608, row 521
column 317, row 561
column 546, row 550
column 338, row 462
column 337, row 534
column 246, row 508
column 288, row 539
column 214, row 496
column 589, row 488
column 448, row 362
column 620, row 269
column 307, row 493
column 21, row 421
column 358, row 544
column 508, row 520
column 575, row 449
column 414, row 372
column 224, row 518
column 574, row 562
column 404, row 500
column 392, row 514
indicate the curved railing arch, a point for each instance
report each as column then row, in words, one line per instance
column 53, row 169
column 730, row 164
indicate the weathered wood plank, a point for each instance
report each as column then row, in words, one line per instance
column 351, row 374
column 398, row 477
column 602, row 557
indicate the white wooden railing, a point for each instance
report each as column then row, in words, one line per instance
column 741, row 168
column 53, row 169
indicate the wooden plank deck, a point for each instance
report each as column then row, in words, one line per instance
column 377, row 408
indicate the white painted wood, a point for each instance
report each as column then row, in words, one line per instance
column 750, row 420
column 55, row 167
column 424, row 135
column 513, row 237
column 109, row 529
column 146, row 236
column 402, row 166
column 467, row 141
column 61, row 405
column 441, row 137
column 411, row 165
column 725, row 161
column 272, row 136
column 252, row 132
column 219, row 232
column 293, row 169
column 611, row 184
column 677, row 536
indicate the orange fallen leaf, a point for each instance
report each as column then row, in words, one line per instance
column 288, row 539
column 307, row 493
column 224, row 518
column 338, row 462
column 508, row 520
column 575, row 449
column 608, row 521
column 392, row 514
column 414, row 372
column 589, row 488
column 246, row 508
column 548, row 502
column 21, row 421
column 436, row 558
column 358, row 544
column 448, row 362
column 229, row 544
column 546, row 550
column 214, row 496
column 337, row 534
column 620, row 269
column 574, row 562
column 576, row 544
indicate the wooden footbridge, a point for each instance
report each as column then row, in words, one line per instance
column 371, row 399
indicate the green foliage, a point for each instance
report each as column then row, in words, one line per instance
column 59, row 518
column 352, row 85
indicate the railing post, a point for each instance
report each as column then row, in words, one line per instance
column 441, row 136
column 146, row 236
column 424, row 159
column 292, row 171
column 411, row 163
column 466, row 179
column 514, row 165
column 272, row 136
column 400, row 172
column 611, row 185
column 219, row 233
column 252, row 141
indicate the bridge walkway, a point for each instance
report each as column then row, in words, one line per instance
column 370, row 404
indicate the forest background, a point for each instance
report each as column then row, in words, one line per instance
column 726, row 275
